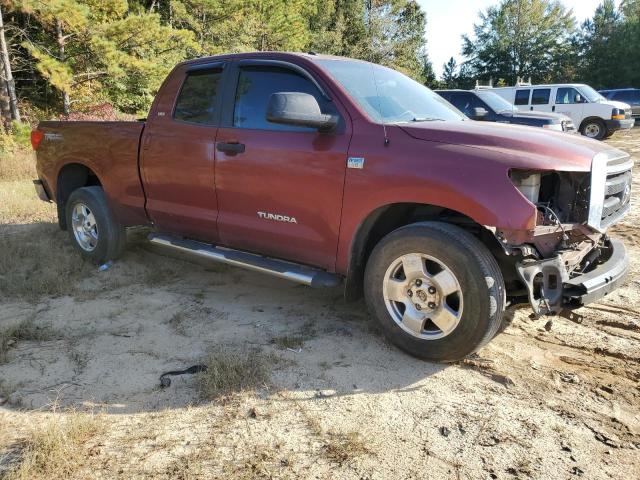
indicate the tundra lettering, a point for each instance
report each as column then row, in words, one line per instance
column 279, row 218
column 451, row 222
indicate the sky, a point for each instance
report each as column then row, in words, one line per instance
column 448, row 20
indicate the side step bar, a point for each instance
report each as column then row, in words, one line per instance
column 279, row 268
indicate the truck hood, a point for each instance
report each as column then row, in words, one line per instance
column 518, row 146
column 615, row 104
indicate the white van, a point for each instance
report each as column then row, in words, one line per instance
column 595, row 116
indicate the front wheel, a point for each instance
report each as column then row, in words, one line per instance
column 92, row 229
column 436, row 291
column 594, row 129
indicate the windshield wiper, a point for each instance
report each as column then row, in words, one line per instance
column 427, row 119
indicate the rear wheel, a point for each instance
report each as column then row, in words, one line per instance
column 436, row 291
column 92, row 229
column 594, row 129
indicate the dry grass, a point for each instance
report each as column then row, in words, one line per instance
column 55, row 447
column 336, row 446
column 233, row 372
column 293, row 342
column 342, row 447
column 19, row 204
column 17, row 163
column 39, row 260
column 26, row 330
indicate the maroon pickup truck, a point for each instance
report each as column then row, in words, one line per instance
column 327, row 170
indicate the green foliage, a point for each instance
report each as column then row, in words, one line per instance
column 608, row 46
column 18, row 137
column 521, row 38
column 449, row 74
column 87, row 52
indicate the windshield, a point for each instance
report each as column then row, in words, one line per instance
column 392, row 97
column 590, row 94
column 495, row 101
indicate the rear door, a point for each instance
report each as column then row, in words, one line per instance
column 178, row 154
column 569, row 101
column 541, row 100
column 279, row 187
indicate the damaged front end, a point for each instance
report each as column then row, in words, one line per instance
column 568, row 260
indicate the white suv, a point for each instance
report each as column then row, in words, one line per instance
column 595, row 116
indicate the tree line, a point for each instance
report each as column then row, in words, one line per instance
column 541, row 40
column 65, row 57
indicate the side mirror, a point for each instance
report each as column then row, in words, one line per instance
column 478, row 113
column 299, row 109
column 579, row 98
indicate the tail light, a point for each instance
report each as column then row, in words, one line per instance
column 36, row 138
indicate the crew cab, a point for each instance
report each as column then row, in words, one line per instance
column 595, row 116
column 483, row 105
column 330, row 171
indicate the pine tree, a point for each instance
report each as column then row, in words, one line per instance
column 520, row 38
column 449, row 75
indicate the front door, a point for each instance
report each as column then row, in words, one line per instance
column 279, row 187
column 568, row 101
column 178, row 157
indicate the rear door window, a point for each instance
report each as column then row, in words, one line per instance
column 196, row 101
column 540, row 96
column 522, row 97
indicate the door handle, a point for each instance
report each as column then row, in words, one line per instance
column 553, row 109
column 531, row 108
column 231, row 148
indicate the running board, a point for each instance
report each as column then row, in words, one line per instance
column 279, row 268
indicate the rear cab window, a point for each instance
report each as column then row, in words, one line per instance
column 540, row 96
column 522, row 97
column 197, row 100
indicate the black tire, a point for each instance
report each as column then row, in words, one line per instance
column 111, row 236
column 478, row 275
column 594, row 123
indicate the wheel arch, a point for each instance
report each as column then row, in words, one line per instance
column 71, row 176
column 383, row 220
column 589, row 119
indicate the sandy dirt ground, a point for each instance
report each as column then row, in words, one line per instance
column 554, row 400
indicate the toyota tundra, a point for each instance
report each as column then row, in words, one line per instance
column 330, row 171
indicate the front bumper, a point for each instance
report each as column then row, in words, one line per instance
column 615, row 125
column 551, row 291
column 601, row 281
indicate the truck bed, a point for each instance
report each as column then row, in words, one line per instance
column 109, row 149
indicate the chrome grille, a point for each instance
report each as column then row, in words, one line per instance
column 616, row 197
column 610, row 190
column 567, row 126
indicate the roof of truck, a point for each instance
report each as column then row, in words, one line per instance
column 545, row 85
column 619, row 89
column 267, row 55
